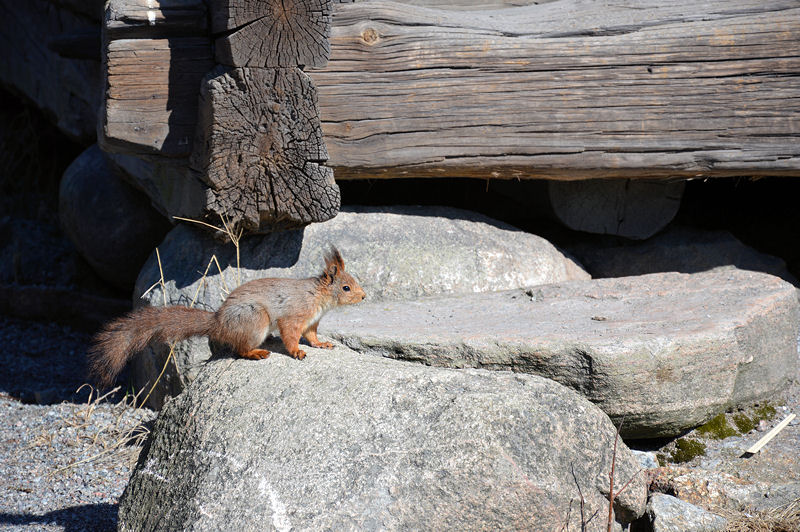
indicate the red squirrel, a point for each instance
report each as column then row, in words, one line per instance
column 250, row 313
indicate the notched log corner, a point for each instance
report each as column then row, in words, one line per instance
column 259, row 148
column 271, row 33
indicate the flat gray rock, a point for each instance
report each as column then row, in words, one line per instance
column 666, row 352
column 394, row 252
column 343, row 441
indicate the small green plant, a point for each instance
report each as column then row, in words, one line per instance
column 686, row 449
column 717, row 428
column 765, row 412
column 745, row 423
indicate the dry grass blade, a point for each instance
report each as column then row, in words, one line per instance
column 172, row 346
column 223, row 284
column 782, row 519
column 150, row 289
column 109, row 438
column 611, row 494
column 162, row 281
column 235, row 240
column 233, row 236
column 221, row 275
column 199, row 222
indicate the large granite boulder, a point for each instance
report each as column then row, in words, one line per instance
column 111, row 224
column 343, row 441
column 395, row 253
column 666, row 352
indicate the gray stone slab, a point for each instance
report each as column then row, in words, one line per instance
column 666, row 351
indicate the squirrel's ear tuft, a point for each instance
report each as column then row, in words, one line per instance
column 333, row 264
column 334, row 258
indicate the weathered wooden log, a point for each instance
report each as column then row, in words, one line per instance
column 155, row 18
column 271, row 33
column 260, row 150
column 568, row 89
column 633, row 208
column 156, row 55
column 148, row 108
column 563, row 90
column 255, row 141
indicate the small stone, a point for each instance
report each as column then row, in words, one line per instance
column 647, row 459
column 670, row 514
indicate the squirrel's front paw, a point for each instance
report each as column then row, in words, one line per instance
column 299, row 354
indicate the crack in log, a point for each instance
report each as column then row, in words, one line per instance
column 231, row 31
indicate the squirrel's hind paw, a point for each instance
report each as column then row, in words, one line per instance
column 322, row 345
column 256, row 354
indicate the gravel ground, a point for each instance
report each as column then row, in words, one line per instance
column 63, row 464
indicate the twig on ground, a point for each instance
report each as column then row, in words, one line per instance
column 611, row 495
column 584, row 522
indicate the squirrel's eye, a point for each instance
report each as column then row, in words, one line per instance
column 346, row 288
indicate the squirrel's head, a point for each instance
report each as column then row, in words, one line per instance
column 343, row 286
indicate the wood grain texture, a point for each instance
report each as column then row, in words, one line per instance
column 151, row 94
column 155, row 18
column 565, row 90
column 155, row 54
column 260, row 149
column 271, row 33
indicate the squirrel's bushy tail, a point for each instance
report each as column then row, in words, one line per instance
column 119, row 340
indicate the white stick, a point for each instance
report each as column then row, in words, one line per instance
column 769, row 435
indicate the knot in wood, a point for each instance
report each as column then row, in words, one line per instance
column 370, row 35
